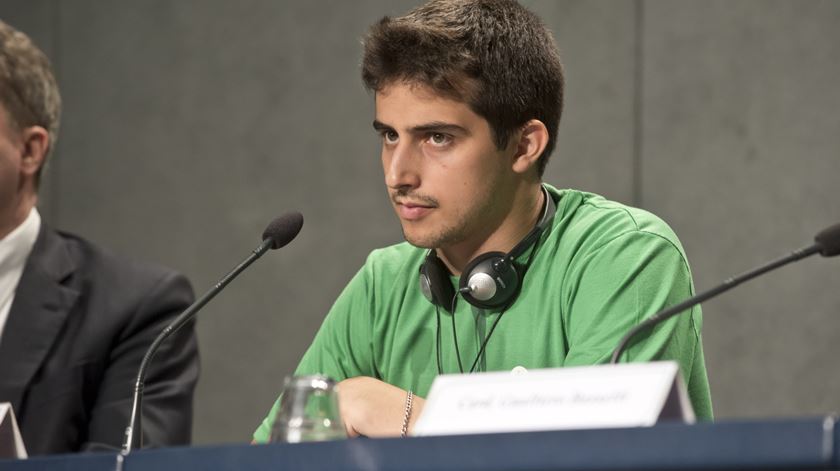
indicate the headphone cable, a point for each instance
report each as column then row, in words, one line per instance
column 455, row 333
column 501, row 313
column 437, row 341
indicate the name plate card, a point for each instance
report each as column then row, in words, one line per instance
column 603, row 396
column 11, row 443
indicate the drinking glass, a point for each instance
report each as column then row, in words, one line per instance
column 308, row 411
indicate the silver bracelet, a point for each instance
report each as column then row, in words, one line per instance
column 404, row 430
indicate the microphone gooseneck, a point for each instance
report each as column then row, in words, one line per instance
column 826, row 243
column 278, row 233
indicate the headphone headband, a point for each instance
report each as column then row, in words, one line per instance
column 549, row 208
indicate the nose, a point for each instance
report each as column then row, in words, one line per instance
column 401, row 167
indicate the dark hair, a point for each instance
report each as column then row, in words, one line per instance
column 28, row 90
column 494, row 55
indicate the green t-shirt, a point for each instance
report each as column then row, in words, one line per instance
column 597, row 271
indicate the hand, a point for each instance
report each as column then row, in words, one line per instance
column 374, row 408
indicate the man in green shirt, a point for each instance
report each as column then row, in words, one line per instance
column 499, row 271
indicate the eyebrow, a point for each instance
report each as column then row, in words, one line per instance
column 434, row 126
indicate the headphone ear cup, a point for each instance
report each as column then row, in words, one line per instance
column 486, row 287
column 435, row 283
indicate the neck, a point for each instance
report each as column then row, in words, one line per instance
column 523, row 215
column 14, row 215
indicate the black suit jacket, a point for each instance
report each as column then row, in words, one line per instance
column 80, row 323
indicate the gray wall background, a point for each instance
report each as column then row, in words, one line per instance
column 188, row 125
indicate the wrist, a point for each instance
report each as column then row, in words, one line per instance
column 407, row 413
column 416, row 411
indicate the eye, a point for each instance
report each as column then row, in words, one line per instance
column 390, row 136
column 439, row 139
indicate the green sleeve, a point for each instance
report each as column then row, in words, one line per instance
column 616, row 286
column 342, row 347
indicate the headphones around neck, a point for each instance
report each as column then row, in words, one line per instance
column 489, row 281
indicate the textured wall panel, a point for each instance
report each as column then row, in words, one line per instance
column 741, row 155
column 596, row 141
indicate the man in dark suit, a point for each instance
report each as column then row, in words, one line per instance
column 76, row 320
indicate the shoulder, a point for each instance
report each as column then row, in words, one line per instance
column 591, row 222
column 102, row 275
column 118, row 268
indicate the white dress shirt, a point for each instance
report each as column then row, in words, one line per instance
column 14, row 250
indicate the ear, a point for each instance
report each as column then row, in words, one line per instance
column 36, row 144
column 532, row 140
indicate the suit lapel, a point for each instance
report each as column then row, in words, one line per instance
column 39, row 310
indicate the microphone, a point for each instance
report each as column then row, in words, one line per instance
column 278, row 233
column 826, row 243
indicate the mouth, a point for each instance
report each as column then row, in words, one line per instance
column 409, row 210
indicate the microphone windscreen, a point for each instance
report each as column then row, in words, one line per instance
column 282, row 230
column 828, row 241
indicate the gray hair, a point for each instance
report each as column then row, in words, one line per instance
column 28, row 89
